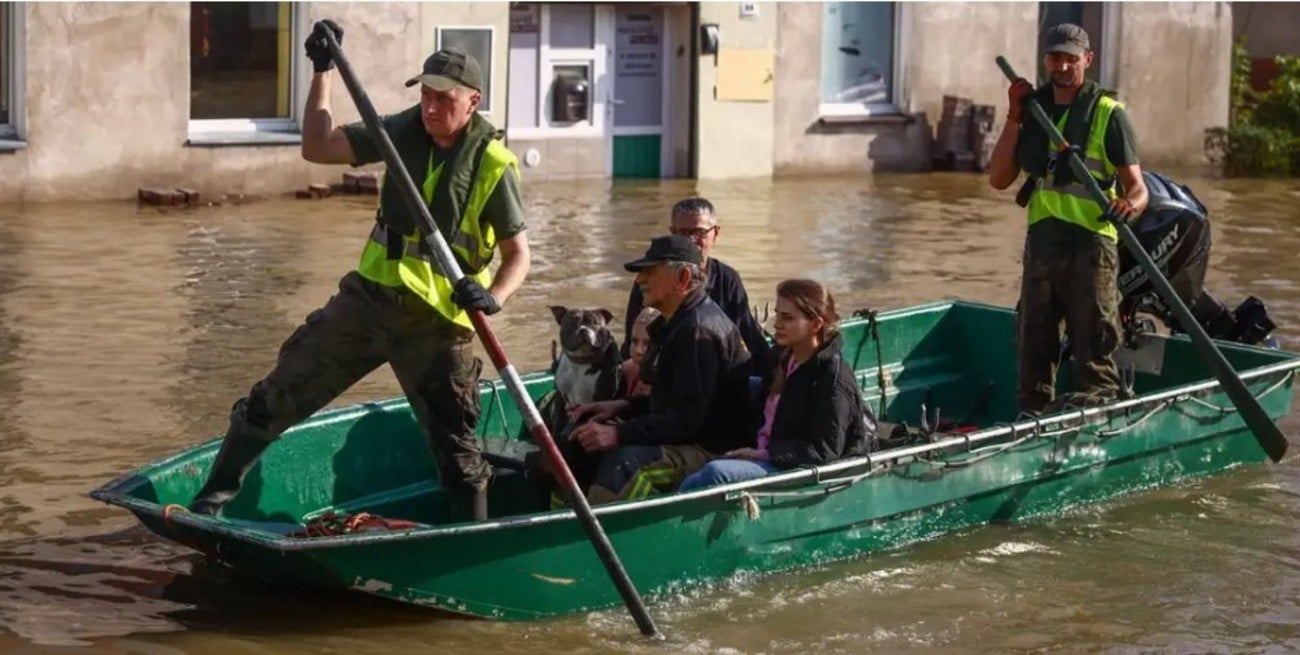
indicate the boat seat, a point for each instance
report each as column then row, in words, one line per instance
column 504, row 462
column 507, row 454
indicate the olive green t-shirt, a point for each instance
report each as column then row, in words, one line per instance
column 1121, row 150
column 504, row 209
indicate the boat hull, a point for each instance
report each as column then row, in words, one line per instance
column 540, row 564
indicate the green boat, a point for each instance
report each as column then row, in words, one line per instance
column 955, row 359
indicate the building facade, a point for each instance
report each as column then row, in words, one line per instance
column 97, row 100
column 1268, row 30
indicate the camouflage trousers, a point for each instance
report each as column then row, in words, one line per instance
column 1072, row 282
column 361, row 327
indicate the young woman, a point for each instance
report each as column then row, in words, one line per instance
column 813, row 411
column 632, row 384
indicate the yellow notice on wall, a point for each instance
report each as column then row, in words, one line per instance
column 745, row 74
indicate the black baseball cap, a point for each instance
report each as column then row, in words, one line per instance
column 1068, row 38
column 672, row 248
column 449, row 68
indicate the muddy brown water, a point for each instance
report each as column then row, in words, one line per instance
column 125, row 335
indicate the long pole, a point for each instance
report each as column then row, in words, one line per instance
column 536, row 428
column 1266, row 431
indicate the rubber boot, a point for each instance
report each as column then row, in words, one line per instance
column 468, row 505
column 239, row 452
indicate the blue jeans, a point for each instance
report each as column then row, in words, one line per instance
column 724, row 471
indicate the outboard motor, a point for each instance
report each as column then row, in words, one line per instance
column 1175, row 230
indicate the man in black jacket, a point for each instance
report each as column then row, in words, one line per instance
column 695, row 218
column 698, row 372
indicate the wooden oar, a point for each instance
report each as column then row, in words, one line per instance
column 536, row 428
column 1266, row 432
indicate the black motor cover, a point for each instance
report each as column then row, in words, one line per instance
column 1175, row 230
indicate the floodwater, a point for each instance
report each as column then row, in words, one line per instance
column 126, row 334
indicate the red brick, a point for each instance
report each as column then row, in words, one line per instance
column 188, row 196
column 370, row 182
column 158, row 196
column 351, row 182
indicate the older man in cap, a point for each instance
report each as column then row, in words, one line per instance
column 1070, row 259
column 697, row 368
column 397, row 306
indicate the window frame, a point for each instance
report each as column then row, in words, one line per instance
column 13, row 133
column 492, row 64
column 1107, row 30
column 892, row 107
column 261, row 131
column 597, row 57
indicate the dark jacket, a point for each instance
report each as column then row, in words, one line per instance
column 821, row 416
column 728, row 292
column 699, row 376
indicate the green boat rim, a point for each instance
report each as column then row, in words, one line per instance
column 116, row 491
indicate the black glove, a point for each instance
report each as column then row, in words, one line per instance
column 318, row 49
column 468, row 294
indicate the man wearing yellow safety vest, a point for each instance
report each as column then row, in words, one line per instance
column 1071, row 259
column 396, row 307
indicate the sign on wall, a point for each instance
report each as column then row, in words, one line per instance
column 638, row 66
column 525, row 17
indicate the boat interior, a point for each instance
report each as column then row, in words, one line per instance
column 954, row 359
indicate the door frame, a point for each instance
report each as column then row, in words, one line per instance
column 664, row 130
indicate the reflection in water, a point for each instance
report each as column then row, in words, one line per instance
column 234, row 268
column 126, row 335
column 13, row 440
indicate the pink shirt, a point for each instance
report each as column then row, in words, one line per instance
column 769, row 408
column 633, row 386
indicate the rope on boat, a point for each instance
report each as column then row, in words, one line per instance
column 169, row 509
column 1286, row 377
column 496, row 400
column 826, row 488
column 975, row 459
column 1074, row 429
column 873, row 327
column 332, row 524
column 1155, row 409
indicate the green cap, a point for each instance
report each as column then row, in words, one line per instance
column 1068, row 38
column 448, row 68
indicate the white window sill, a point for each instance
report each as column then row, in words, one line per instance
column 261, row 138
column 575, row 131
column 12, row 145
column 866, row 119
column 856, row 114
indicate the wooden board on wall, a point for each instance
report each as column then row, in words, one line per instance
column 745, row 74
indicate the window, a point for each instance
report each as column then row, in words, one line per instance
column 572, row 26
column 569, row 76
column 242, row 72
column 477, row 43
column 557, row 69
column 11, row 75
column 858, row 57
column 1087, row 15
